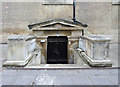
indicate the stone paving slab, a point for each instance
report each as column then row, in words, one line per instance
column 60, row 77
column 27, row 80
column 114, row 79
column 8, row 80
column 81, row 80
column 100, row 80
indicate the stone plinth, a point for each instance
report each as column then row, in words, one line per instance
column 96, row 50
column 21, row 49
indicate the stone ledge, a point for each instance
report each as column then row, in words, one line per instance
column 18, row 63
column 93, row 62
column 116, row 2
column 19, row 37
column 95, row 38
column 57, row 2
column 24, row 62
column 56, row 66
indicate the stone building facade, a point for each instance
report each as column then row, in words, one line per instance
column 102, row 17
column 56, row 35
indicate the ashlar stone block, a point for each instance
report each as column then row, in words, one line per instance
column 96, row 50
column 20, row 50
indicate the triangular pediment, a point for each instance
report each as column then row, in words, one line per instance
column 56, row 24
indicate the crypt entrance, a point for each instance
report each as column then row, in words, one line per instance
column 57, row 40
column 57, row 48
column 58, row 43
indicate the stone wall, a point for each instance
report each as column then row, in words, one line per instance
column 102, row 17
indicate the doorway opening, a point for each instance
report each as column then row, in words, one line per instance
column 57, row 50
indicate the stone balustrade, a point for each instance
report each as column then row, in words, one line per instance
column 95, row 50
column 21, row 49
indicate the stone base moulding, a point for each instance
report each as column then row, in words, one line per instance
column 92, row 62
column 21, row 50
column 24, row 62
column 95, row 50
column 18, row 63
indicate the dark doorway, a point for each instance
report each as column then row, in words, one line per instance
column 57, row 49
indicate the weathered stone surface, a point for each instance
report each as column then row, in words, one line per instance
column 57, row 24
column 102, row 18
column 96, row 63
column 95, row 14
column 36, row 60
column 20, row 50
column 4, row 37
column 95, row 47
column 113, row 56
column 91, row 13
column 96, row 76
column 57, row 27
column 19, row 47
column 116, row 2
column 96, row 50
column 82, row 44
column 57, row 2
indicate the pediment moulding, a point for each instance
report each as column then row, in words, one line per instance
column 57, row 24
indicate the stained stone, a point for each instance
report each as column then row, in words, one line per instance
column 96, row 50
column 54, row 2
column 95, row 47
column 20, row 50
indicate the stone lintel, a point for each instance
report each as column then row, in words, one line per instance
column 45, row 37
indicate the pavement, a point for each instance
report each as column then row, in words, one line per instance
column 60, row 77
